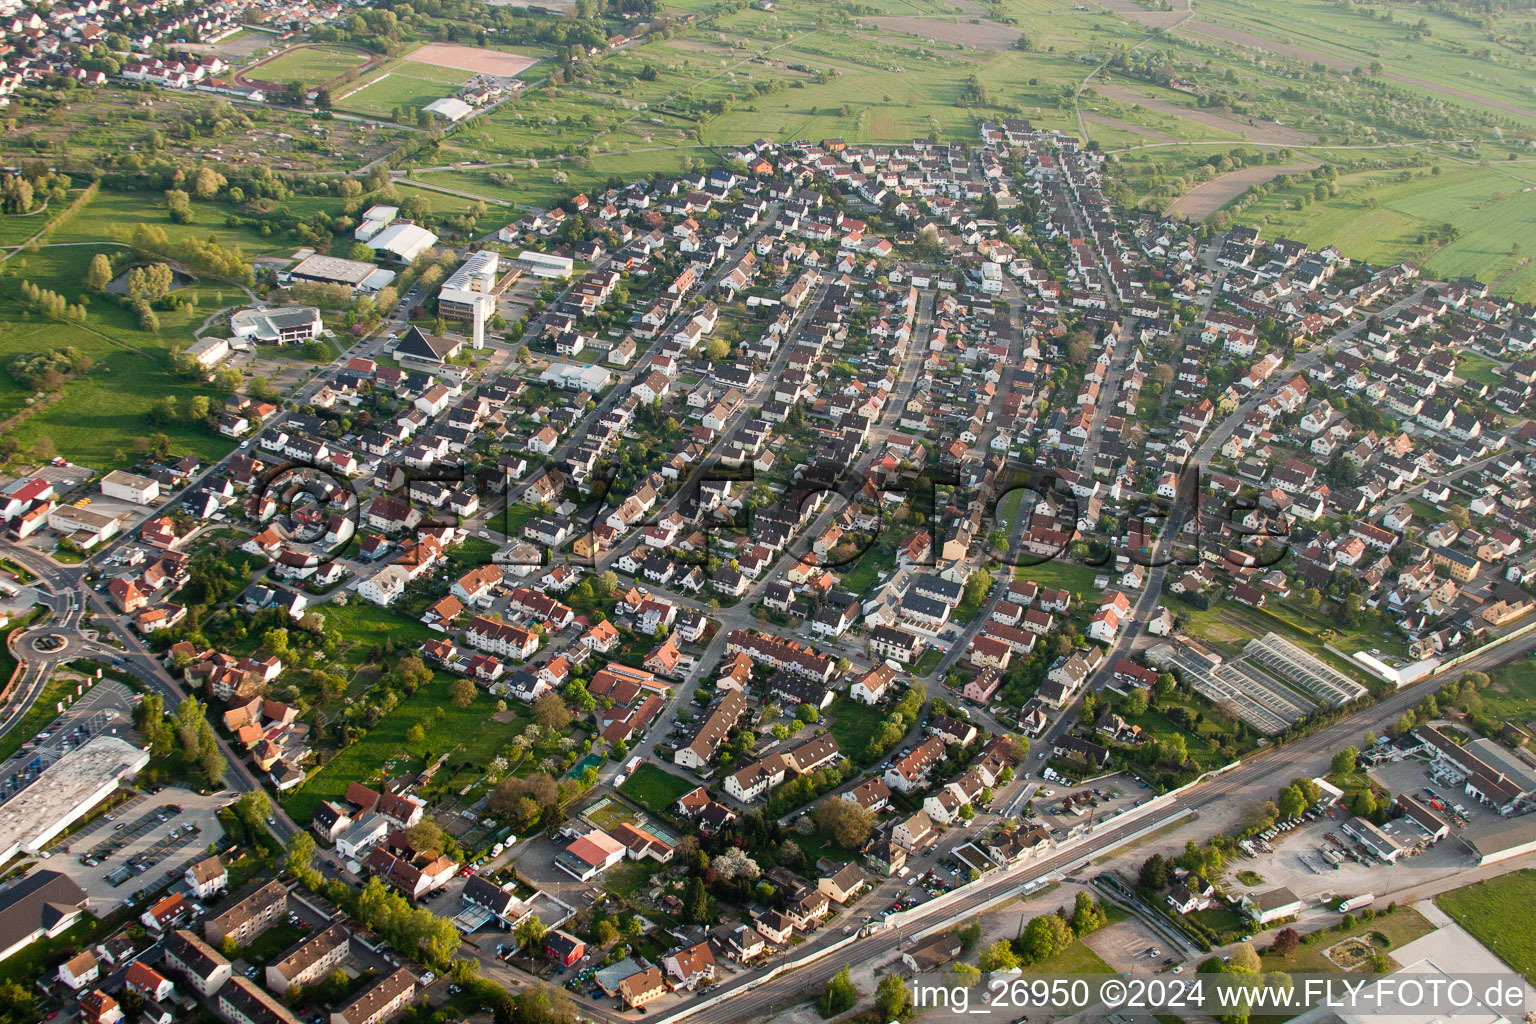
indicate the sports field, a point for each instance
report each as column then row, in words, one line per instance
column 406, row 84
column 310, row 65
column 477, row 60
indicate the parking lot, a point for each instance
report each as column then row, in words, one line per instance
column 138, row 838
column 1318, row 860
column 1072, row 810
column 1130, row 945
column 105, row 707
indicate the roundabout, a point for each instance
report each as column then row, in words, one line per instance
column 49, row 643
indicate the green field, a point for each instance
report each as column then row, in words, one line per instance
column 406, row 84
column 365, row 625
column 1383, row 216
column 310, row 65
column 472, row 733
column 101, row 411
column 853, row 725
column 655, row 788
column 1398, row 928
column 1484, row 910
column 1511, row 693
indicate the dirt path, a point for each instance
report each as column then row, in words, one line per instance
column 1263, row 132
column 1205, row 199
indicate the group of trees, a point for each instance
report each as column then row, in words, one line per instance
column 50, row 303
column 47, row 371
column 1045, row 936
column 896, row 725
column 187, row 731
column 167, row 410
column 525, row 800
column 414, row 931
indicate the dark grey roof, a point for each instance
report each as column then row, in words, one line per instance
column 38, row 902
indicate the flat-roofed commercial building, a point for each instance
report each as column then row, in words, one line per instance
column 64, row 791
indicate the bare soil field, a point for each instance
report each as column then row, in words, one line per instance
column 473, row 59
column 1264, row 131
column 983, row 35
column 241, row 44
column 1133, row 11
column 1150, row 134
column 1206, row 198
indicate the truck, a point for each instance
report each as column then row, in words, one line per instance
column 1365, row 899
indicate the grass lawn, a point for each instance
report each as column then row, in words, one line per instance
column 1511, row 694
column 1479, row 368
column 1075, row 959
column 853, row 725
column 629, row 877
column 511, row 520
column 927, row 663
column 655, row 788
column 364, row 624
column 1400, row 927
column 1487, row 910
column 474, row 551
column 272, row 943
column 1063, row 575
column 610, row 814
column 865, row 571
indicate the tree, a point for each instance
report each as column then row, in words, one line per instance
column 179, row 204
column 1087, row 915
column 163, row 411
column 250, row 809
column 735, row 864
column 99, row 274
column 1293, row 804
column 149, row 720
column 844, row 822
column 300, row 858
column 426, row 835
column 1044, row 937
column 1153, row 877
column 892, row 998
column 207, row 182
column 698, row 907
column 1287, row 941
column 839, row 996
column 1245, row 959
column 605, row 933
column 997, row 957
column 530, row 932
column 464, row 970
column 963, row 974
column 1345, row 761
column 275, row 641
column 550, row 712
column 462, row 692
